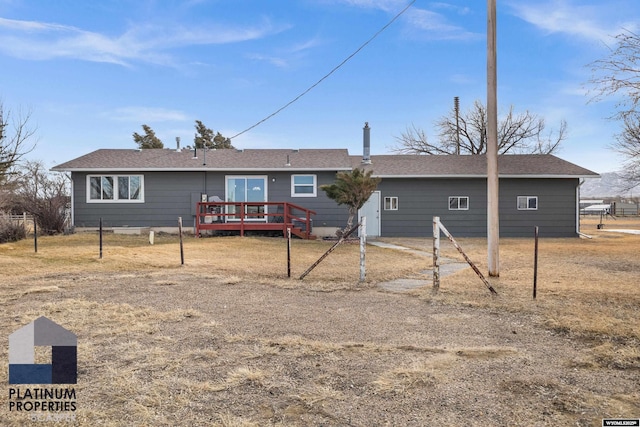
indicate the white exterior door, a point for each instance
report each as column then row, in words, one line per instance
column 371, row 210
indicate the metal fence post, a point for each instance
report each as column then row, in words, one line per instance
column 436, row 253
column 363, row 246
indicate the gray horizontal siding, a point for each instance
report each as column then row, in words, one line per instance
column 169, row 195
column 556, row 214
column 328, row 213
column 419, row 200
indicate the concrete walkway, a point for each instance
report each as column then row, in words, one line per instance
column 621, row 230
column 447, row 266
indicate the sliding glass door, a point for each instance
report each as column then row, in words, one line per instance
column 246, row 189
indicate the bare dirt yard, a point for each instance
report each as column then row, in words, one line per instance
column 229, row 340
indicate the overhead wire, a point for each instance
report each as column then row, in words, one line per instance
column 362, row 46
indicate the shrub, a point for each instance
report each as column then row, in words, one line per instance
column 11, row 231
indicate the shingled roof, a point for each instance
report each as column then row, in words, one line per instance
column 509, row 165
column 401, row 166
column 227, row 160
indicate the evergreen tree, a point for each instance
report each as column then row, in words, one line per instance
column 148, row 140
column 352, row 189
column 205, row 137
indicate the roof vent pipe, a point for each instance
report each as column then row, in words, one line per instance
column 366, row 144
column 178, row 144
column 195, row 152
column 288, row 161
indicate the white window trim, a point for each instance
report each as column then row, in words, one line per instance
column 458, row 208
column 115, row 189
column 392, row 206
column 315, row 186
column 527, row 208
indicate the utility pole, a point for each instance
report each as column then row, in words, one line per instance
column 493, row 222
column 456, row 107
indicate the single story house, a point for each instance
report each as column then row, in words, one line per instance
column 153, row 187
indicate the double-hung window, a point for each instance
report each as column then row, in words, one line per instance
column 458, row 203
column 115, row 188
column 527, row 203
column 304, row 186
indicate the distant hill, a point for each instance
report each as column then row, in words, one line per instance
column 610, row 184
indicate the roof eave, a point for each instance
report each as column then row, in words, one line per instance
column 199, row 169
column 577, row 176
column 541, row 176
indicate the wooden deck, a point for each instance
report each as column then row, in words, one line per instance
column 254, row 216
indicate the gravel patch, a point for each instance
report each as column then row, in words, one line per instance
column 289, row 355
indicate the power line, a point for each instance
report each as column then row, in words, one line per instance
column 329, row 73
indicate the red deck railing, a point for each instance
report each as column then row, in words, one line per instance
column 256, row 216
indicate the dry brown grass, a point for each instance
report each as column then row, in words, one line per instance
column 587, row 286
column 231, row 257
column 228, row 340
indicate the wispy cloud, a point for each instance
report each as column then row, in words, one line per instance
column 592, row 22
column 421, row 22
column 386, row 5
column 138, row 114
column 286, row 56
column 279, row 62
column 433, row 25
column 463, row 79
column 144, row 43
column 460, row 10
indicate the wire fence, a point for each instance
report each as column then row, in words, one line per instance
column 26, row 220
column 20, row 219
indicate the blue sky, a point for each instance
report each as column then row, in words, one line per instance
column 92, row 72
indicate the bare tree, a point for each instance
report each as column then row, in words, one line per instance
column 44, row 195
column 619, row 74
column 523, row 133
column 628, row 144
column 16, row 140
